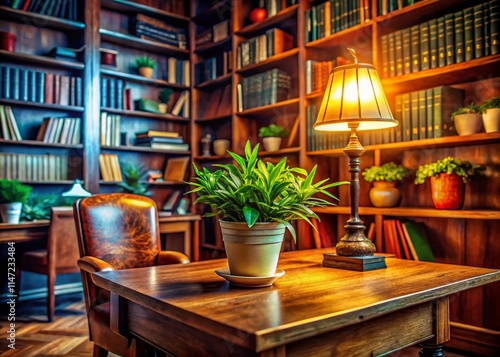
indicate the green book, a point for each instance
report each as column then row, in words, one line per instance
column 392, row 54
column 459, row 36
column 478, row 31
column 429, row 117
column 406, row 51
column 406, row 127
column 449, row 29
column 441, row 42
column 398, row 44
column 486, row 29
column 446, row 101
column 398, row 115
column 414, row 116
column 415, row 48
column 416, row 233
column 494, row 27
column 433, row 43
column 468, row 34
column 424, row 46
column 384, row 43
column 422, row 114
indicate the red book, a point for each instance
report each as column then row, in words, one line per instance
column 57, row 88
column 49, row 88
column 402, row 239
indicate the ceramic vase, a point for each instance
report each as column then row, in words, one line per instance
column 467, row 124
column 491, row 120
column 221, row 146
column 271, row 143
column 11, row 212
column 385, row 194
column 447, row 191
column 252, row 251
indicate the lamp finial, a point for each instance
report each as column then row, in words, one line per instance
column 353, row 53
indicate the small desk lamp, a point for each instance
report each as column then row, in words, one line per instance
column 354, row 100
column 76, row 191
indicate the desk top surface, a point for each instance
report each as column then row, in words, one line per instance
column 308, row 296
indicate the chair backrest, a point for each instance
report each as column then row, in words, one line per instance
column 119, row 228
column 62, row 243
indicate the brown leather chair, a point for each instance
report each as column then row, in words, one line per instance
column 59, row 257
column 115, row 231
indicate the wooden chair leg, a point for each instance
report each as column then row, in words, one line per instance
column 99, row 351
column 51, row 298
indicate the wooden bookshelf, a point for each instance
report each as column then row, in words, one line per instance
column 45, row 60
column 48, row 21
column 140, row 79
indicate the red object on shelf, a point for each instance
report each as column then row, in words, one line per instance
column 257, row 15
column 7, row 41
column 447, row 191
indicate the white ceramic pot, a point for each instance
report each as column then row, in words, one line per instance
column 271, row 143
column 11, row 212
column 252, row 251
column 467, row 124
column 491, row 120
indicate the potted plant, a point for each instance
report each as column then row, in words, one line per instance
column 384, row 192
column 132, row 175
column 145, row 66
column 448, row 177
column 491, row 114
column 164, row 97
column 256, row 202
column 38, row 206
column 468, row 120
column 271, row 136
column 12, row 196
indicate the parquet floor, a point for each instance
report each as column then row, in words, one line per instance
column 68, row 336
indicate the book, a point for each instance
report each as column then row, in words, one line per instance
column 176, row 168
column 4, row 125
column 11, row 121
column 157, row 133
column 446, row 101
column 406, row 253
column 172, row 201
column 167, row 146
column 416, row 232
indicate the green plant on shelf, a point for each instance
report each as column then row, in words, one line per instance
column 132, row 176
column 146, row 61
column 164, row 95
column 471, row 109
column 38, row 206
column 273, row 130
column 386, row 172
column 13, row 191
column 449, row 165
column 490, row 104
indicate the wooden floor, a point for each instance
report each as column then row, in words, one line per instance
column 68, row 336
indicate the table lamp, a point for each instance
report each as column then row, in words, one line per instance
column 76, row 191
column 354, row 100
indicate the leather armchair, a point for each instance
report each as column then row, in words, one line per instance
column 115, row 231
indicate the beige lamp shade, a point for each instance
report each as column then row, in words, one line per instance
column 354, row 96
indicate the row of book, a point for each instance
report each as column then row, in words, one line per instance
column 113, row 94
column 150, row 28
column 110, row 129
column 257, row 49
column 323, row 140
column 449, row 39
column 178, row 71
column 386, row 6
column 41, row 87
column 317, row 73
column 213, row 67
column 214, row 34
column 66, row 9
column 60, row 131
column 406, row 240
column 265, row 88
column 110, row 168
column 274, row 6
column 8, row 125
column 28, row 167
column 161, row 140
column 332, row 16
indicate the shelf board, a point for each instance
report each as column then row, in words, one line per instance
column 281, row 152
column 225, row 79
column 40, row 144
column 270, row 109
column 145, row 149
column 140, row 44
column 213, row 119
column 38, row 20
column 340, row 37
column 45, row 60
column 467, row 71
column 140, row 79
column 212, row 46
column 415, row 212
column 141, row 114
column 162, row 183
column 448, row 141
column 60, row 182
column 210, row 158
column 268, row 63
column 253, row 29
column 134, row 8
column 22, row 103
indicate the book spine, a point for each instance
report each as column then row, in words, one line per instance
column 424, row 46
column 119, row 94
column 459, row 37
column 40, row 87
column 112, row 93
column 468, row 34
column 449, row 27
column 32, row 85
column 406, row 43
column 487, row 29
column 429, row 98
column 433, row 43
column 79, row 92
column 384, row 43
column 24, row 95
column 415, row 48
column 398, row 44
column 441, row 42
column 494, row 27
column 406, row 117
column 6, row 82
column 415, row 122
column 392, row 54
column 104, row 92
column 422, row 114
column 398, row 115
column 478, row 31
column 15, row 83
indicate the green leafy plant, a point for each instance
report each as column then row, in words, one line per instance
column 38, row 206
column 386, row 172
column 471, row 109
column 145, row 62
column 448, row 165
column 253, row 191
column 164, row 95
column 132, row 175
column 273, row 130
column 13, row 191
column 490, row 104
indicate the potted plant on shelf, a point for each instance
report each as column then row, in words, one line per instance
column 384, row 192
column 132, row 175
column 491, row 114
column 271, row 136
column 164, row 97
column 256, row 202
column 448, row 178
column 468, row 120
column 12, row 196
column 145, row 66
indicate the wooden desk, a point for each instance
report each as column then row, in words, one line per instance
column 24, row 231
column 311, row 311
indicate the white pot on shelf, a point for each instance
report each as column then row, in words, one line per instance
column 11, row 212
column 491, row 120
column 467, row 124
column 271, row 143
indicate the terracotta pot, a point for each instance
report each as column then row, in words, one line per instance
column 252, row 251
column 491, row 120
column 7, row 41
column 146, row 72
column 385, row 194
column 467, row 124
column 271, row 143
column 447, row 191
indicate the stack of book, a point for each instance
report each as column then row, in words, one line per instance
column 161, row 140
column 216, row 33
column 8, row 125
column 110, row 168
column 28, row 167
column 58, row 8
column 150, row 28
column 110, row 129
column 406, row 240
column 113, row 93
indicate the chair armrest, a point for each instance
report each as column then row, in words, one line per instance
column 171, row 257
column 93, row 264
